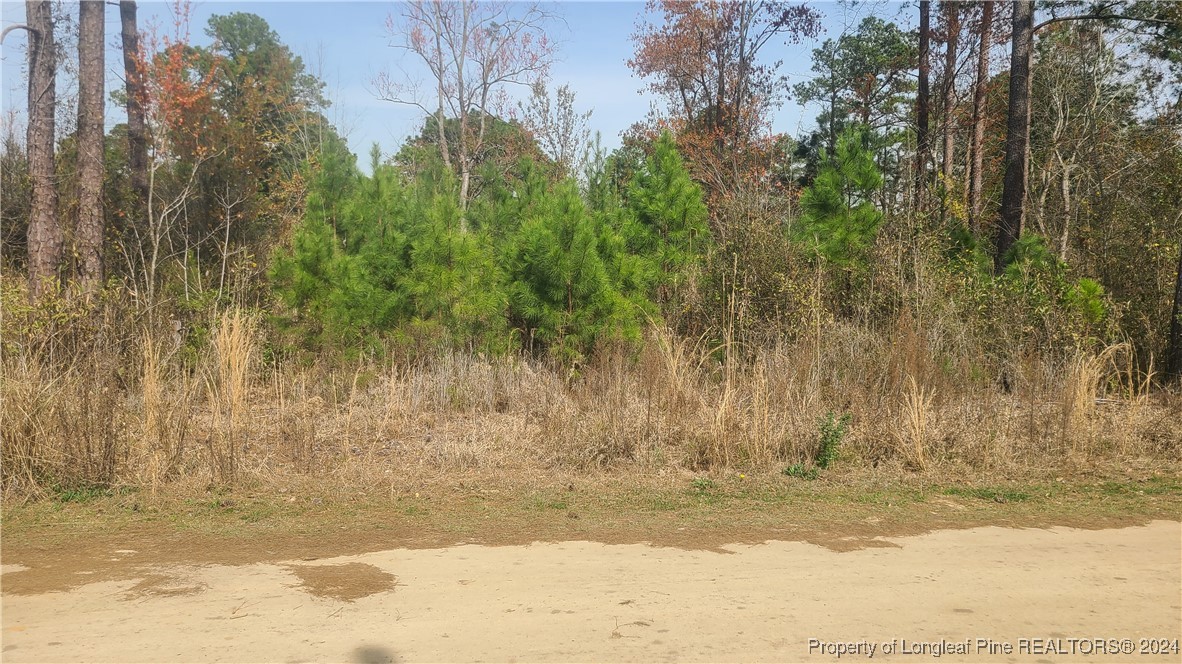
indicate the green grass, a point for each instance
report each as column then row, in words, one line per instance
column 85, row 493
column 996, row 494
column 1154, row 486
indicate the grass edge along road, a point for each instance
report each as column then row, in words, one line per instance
column 257, row 524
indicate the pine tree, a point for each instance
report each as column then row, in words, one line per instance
column 562, row 292
column 838, row 219
column 668, row 205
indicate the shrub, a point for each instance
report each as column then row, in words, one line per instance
column 832, row 432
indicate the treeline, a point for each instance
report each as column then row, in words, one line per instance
column 1033, row 189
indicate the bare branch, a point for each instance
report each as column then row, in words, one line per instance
column 17, row 26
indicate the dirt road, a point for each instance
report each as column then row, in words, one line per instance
column 962, row 594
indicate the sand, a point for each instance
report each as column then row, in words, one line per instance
column 963, row 594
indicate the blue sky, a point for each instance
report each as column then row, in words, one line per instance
column 346, row 44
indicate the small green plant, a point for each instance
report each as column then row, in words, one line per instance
column 81, row 493
column 702, row 484
column 802, row 471
column 832, row 429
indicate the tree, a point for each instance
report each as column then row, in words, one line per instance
column 14, row 204
column 1174, row 349
column 1017, row 159
column 703, row 59
column 89, row 235
column 45, row 231
column 562, row 292
column 866, row 74
column 922, row 103
column 133, row 76
column 951, row 22
column 866, row 77
column 980, row 91
column 838, row 220
column 1082, row 107
column 506, row 143
column 177, row 104
column 672, row 215
column 1163, row 29
column 560, row 131
column 471, row 51
column 264, row 115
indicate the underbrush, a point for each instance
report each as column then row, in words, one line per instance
column 92, row 403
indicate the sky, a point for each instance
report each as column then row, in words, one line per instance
column 346, row 45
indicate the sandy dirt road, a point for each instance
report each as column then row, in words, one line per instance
column 582, row 601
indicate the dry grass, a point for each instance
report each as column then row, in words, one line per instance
column 132, row 411
column 911, row 436
column 228, row 376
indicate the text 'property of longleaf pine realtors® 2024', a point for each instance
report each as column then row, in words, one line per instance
column 982, row 646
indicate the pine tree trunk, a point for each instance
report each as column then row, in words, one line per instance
column 980, row 87
column 136, row 126
column 45, row 231
column 922, row 103
column 952, row 42
column 1017, row 159
column 90, row 143
column 1174, row 351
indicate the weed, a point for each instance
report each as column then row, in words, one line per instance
column 832, row 430
column 81, row 494
column 801, row 471
column 702, row 484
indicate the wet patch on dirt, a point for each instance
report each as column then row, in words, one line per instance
column 162, row 585
column 856, row 543
column 345, row 582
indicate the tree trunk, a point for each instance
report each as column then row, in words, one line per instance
column 952, row 42
column 90, row 143
column 137, row 142
column 976, row 178
column 439, row 115
column 922, row 103
column 1017, row 159
column 1174, row 351
column 45, row 231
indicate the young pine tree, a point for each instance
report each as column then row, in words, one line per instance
column 672, row 229
column 838, row 220
column 562, row 294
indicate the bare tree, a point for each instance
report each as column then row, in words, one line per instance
column 561, row 131
column 161, row 232
column 89, row 235
column 472, row 51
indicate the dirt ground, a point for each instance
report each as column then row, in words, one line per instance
column 967, row 594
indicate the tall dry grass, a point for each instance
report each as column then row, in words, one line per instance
column 134, row 411
column 229, row 371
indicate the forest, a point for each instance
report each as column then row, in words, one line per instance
column 969, row 263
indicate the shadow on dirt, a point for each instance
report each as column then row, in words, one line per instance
column 375, row 655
